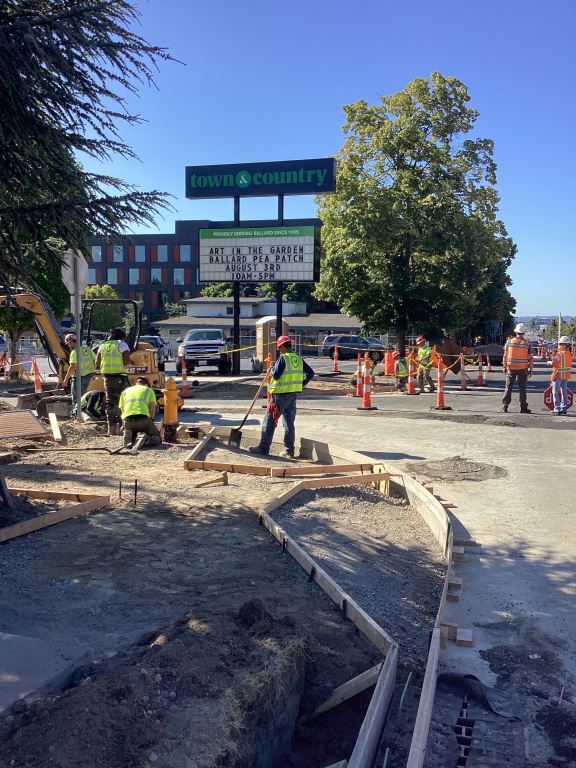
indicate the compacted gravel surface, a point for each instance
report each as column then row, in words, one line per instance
column 378, row 549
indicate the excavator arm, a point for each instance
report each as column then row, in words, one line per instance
column 47, row 326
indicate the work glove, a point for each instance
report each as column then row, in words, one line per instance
column 274, row 411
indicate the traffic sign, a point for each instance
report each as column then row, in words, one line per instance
column 68, row 276
column 549, row 402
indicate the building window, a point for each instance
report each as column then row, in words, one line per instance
column 118, row 253
column 134, row 276
column 162, row 253
column 91, row 276
column 178, row 276
column 96, row 253
column 162, row 298
column 112, row 276
column 140, row 253
column 156, row 276
column 229, row 310
column 185, row 253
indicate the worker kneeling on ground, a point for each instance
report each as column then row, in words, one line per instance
column 288, row 376
column 400, row 371
column 138, row 408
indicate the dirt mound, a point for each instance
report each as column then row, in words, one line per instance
column 234, row 692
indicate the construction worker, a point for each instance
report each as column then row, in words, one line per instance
column 93, row 403
column 288, row 376
column 112, row 358
column 561, row 363
column 518, row 363
column 83, row 358
column 424, row 361
column 138, row 408
column 400, row 370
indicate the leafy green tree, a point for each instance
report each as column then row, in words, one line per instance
column 566, row 329
column 218, row 290
column 17, row 322
column 106, row 316
column 65, row 69
column 411, row 236
column 175, row 309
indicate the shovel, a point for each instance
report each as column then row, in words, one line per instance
column 235, row 433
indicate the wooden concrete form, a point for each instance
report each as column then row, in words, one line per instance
column 200, row 446
column 435, row 515
column 349, row 689
column 424, row 715
column 55, row 427
column 89, row 503
column 268, row 471
column 366, row 747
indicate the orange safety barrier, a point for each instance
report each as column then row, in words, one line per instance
column 389, row 364
column 488, row 363
column 37, row 378
column 463, row 380
column 410, row 385
column 359, row 381
column 366, row 397
column 335, row 368
column 185, row 392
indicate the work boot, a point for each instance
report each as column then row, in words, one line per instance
column 257, row 450
column 142, row 442
column 504, row 409
column 286, row 454
column 525, row 410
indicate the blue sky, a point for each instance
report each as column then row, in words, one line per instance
column 265, row 80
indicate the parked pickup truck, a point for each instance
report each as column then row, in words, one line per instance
column 203, row 348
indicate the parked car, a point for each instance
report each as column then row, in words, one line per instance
column 158, row 345
column 205, row 347
column 349, row 347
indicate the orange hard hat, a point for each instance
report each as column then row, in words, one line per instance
column 283, row 340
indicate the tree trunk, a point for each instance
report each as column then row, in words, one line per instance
column 14, row 337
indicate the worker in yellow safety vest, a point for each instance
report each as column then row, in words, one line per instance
column 81, row 366
column 112, row 358
column 424, row 361
column 518, row 363
column 138, row 408
column 561, row 364
column 288, row 376
column 400, row 371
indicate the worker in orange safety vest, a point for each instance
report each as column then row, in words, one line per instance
column 518, row 363
column 561, row 363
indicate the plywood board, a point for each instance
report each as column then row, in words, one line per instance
column 21, row 424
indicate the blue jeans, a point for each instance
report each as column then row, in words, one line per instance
column 84, row 382
column 287, row 406
column 560, row 395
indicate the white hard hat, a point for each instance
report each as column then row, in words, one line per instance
column 69, row 337
column 520, row 328
column 564, row 340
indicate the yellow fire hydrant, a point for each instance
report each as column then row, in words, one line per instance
column 172, row 401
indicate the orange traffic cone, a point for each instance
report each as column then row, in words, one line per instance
column 335, row 368
column 440, row 405
column 37, row 378
column 359, row 382
column 488, row 363
column 410, row 386
column 366, row 396
column 184, row 388
column 480, row 382
column 463, row 381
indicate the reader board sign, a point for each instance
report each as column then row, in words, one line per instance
column 285, row 177
column 259, row 255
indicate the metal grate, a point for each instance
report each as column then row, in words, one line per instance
column 20, row 424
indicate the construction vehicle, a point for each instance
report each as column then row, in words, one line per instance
column 143, row 359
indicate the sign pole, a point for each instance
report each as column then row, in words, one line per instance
column 77, row 313
column 279, row 284
column 236, row 304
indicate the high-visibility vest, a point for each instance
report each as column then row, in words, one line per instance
column 292, row 375
column 111, row 362
column 401, row 369
column 424, row 357
column 516, row 355
column 87, row 360
column 135, row 401
column 562, row 362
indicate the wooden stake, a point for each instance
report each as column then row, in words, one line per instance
column 222, row 480
column 349, row 689
column 55, row 428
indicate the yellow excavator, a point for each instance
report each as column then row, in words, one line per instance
column 143, row 359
